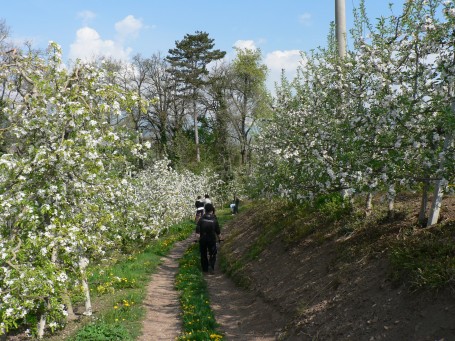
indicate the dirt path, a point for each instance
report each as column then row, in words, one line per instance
column 162, row 301
column 241, row 314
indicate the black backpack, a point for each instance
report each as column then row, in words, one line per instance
column 207, row 226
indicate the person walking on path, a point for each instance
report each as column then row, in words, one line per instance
column 207, row 199
column 199, row 208
column 236, row 205
column 209, row 232
column 232, row 207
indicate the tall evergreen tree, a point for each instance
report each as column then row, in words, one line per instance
column 189, row 60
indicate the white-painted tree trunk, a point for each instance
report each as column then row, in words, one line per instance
column 41, row 326
column 424, row 202
column 369, row 204
column 88, row 302
column 437, row 200
column 42, row 321
column 83, row 263
column 440, row 184
column 391, row 194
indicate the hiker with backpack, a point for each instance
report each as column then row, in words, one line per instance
column 199, row 204
column 209, row 232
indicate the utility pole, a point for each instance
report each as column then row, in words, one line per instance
column 340, row 32
column 340, row 26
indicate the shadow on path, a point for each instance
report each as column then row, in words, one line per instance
column 241, row 314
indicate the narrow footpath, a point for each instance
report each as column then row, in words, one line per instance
column 241, row 314
column 162, row 321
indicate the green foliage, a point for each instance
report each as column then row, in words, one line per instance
column 102, row 331
column 234, row 269
column 190, row 57
column 332, row 207
column 425, row 261
column 317, row 219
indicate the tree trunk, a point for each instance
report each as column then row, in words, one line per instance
column 196, row 132
column 436, row 204
column 440, row 184
column 83, row 262
column 41, row 326
column 69, row 306
column 391, row 194
column 42, row 321
column 369, row 204
column 163, row 133
column 424, row 202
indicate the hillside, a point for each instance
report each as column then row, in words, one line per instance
column 340, row 276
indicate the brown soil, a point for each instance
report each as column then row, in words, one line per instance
column 242, row 314
column 162, row 301
column 327, row 295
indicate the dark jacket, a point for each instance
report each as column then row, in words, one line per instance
column 199, row 204
column 208, row 227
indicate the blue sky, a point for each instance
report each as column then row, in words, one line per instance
column 122, row 29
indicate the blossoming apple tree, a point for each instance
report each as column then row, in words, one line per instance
column 379, row 119
column 69, row 191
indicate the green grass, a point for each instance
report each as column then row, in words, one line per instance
column 122, row 287
column 425, row 260
column 198, row 318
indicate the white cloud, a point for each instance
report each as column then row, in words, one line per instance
column 89, row 44
column 277, row 61
column 305, row 19
column 245, row 44
column 128, row 27
column 86, row 16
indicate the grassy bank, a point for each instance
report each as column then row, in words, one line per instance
column 118, row 291
column 419, row 258
column 336, row 273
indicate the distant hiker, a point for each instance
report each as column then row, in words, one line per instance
column 209, row 232
column 207, row 200
column 199, row 204
column 232, row 207
column 236, row 205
